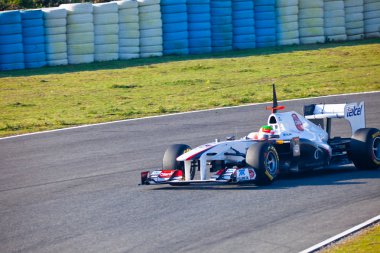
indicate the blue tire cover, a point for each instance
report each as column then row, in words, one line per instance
column 266, row 32
column 10, row 29
column 243, row 14
column 11, row 58
column 175, row 36
column 198, row 8
column 35, row 57
column 265, row 39
column 34, row 40
column 221, row 4
column 222, row 29
column 265, row 2
column 265, row 8
column 10, row 39
column 223, row 20
column 200, row 42
column 176, row 27
column 265, row 23
column 172, row 2
column 10, row 17
column 34, row 48
column 220, row 11
column 217, row 49
column 266, row 44
column 180, row 51
column 174, row 18
column 32, row 23
column 199, row 26
column 244, row 30
column 243, row 22
column 198, row 2
column 200, row 50
column 33, row 31
column 12, row 66
column 200, row 34
column 11, row 48
column 244, row 38
column 166, row 9
column 242, row 46
column 31, row 14
column 175, row 44
column 33, row 65
column 242, row 5
column 265, row 16
column 199, row 17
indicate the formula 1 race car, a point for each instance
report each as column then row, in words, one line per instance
column 288, row 143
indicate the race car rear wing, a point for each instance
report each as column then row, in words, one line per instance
column 354, row 113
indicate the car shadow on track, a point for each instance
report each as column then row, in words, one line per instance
column 335, row 176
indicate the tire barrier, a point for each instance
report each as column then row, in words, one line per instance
column 199, row 26
column 265, row 23
column 55, row 20
column 106, row 30
column 174, row 27
column 334, row 20
column 80, row 33
column 221, row 25
column 372, row 18
column 287, row 22
column 129, row 31
column 11, row 41
column 83, row 33
column 310, row 22
column 354, row 19
column 243, row 22
column 33, row 38
column 151, row 43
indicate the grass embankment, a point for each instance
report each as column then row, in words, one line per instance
column 56, row 97
column 367, row 241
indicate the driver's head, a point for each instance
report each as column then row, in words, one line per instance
column 266, row 132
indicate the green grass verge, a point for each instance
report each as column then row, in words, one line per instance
column 365, row 242
column 56, row 97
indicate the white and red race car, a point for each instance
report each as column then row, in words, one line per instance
column 289, row 143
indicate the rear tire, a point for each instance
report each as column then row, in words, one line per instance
column 263, row 157
column 170, row 158
column 365, row 149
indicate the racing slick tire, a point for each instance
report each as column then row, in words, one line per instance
column 365, row 149
column 170, row 158
column 264, row 158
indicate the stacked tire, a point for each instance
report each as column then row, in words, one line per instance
column 310, row 22
column 372, row 18
column 106, row 31
column 55, row 36
column 354, row 19
column 33, row 38
column 80, row 33
column 221, row 25
column 335, row 28
column 199, row 26
column 129, row 32
column 243, row 21
column 265, row 23
column 150, row 28
column 11, row 47
column 174, row 26
column 287, row 22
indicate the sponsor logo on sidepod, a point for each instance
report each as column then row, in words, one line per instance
column 353, row 111
column 297, row 122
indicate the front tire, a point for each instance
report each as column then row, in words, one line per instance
column 263, row 157
column 365, row 149
column 170, row 162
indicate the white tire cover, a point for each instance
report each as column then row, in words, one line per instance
column 333, row 5
column 372, row 35
column 78, row 8
column 310, row 22
column 354, row 17
column 151, row 32
column 106, row 29
column 150, row 24
column 304, row 4
column 106, row 48
column 106, row 57
column 372, row 14
column 355, row 37
column 150, row 41
column 85, row 48
column 374, row 6
column 287, row 19
column 151, row 54
column 129, row 42
column 128, row 27
column 55, row 30
column 356, row 31
column 353, row 3
column 106, row 18
column 81, row 58
column 57, row 56
column 149, row 9
column 289, row 42
column 126, row 56
column 335, row 31
column 335, row 22
column 150, row 15
column 289, row 10
column 312, row 40
column 288, row 35
column 311, row 32
column 80, row 18
column 55, row 38
column 53, row 13
column 129, row 19
column 148, row 2
column 106, row 7
column 129, row 50
column 128, row 12
column 341, row 37
column 128, row 4
column 129, row 34
column 57, row 62
column 311, row 13
column 151, row 49
column 106, row 39
column 56, row 47
column 334, row 13
column 80, row 28
column 75, row 38
column 372, row 22
column 282, row 3
column 286, row 27
column 55, row 22
column 354, row 25
column 356, row 9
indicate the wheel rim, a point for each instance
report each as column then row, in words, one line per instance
column 271, row 163
column 376, row 148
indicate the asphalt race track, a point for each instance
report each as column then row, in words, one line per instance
column 77, row 191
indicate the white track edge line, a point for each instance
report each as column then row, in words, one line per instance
column 179, row 113
column 342, row 235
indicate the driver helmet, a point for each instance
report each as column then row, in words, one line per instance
column 266, row 132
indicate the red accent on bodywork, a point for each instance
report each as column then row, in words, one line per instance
column 178, row 173
column 166, row 173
